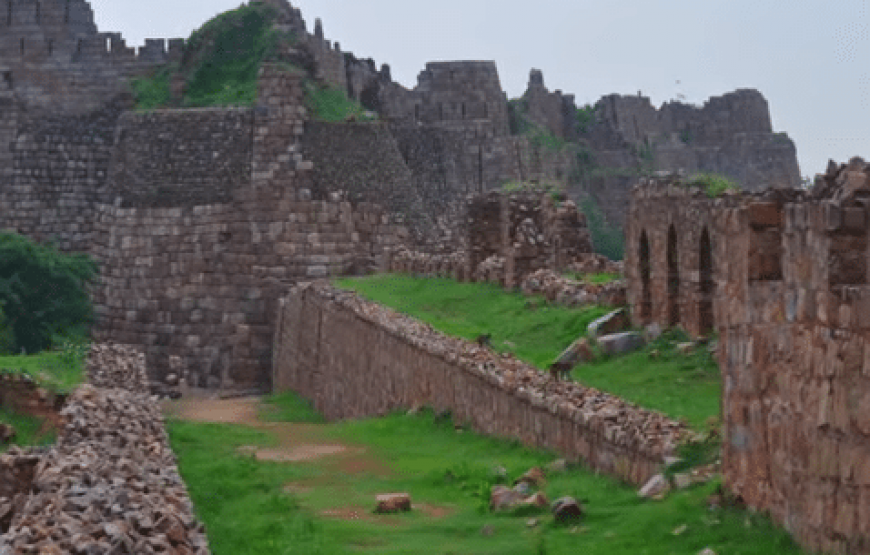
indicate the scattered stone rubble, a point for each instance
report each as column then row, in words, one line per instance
column 110, row 485
column 570, row 292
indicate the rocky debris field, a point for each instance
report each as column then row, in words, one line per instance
column 617, row 421
column 110, row 484
column 569, row 292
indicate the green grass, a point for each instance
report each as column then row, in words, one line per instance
column 658, row 377
column 600, row 278
column 27, row 430
column 533, row 329
column 247, row 507
column 288, row 407
column 59, row 371
column 330, row 104
column 221, row 61
column 713, row 185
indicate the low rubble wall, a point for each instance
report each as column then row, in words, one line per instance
column 110, row 484
column 354, row 358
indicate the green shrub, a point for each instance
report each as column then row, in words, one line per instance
column 607, row 239
column 43, row 291
column 7, row 336
column 152, row 92
column 712, row 184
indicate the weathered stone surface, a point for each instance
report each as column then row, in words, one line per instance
column 495, row 394
column 614, row 322
column 567, row 509
column 621, row 343
column 390, row 503
column 656, row 488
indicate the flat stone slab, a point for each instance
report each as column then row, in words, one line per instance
column 621, row 343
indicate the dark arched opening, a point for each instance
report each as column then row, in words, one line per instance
column 673, row 278
column 706, row 284
column 645, row 279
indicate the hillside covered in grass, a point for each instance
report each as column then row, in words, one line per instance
column 681, row 385
column 221, row 62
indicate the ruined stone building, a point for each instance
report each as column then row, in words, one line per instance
column 782, row 277
column 199, row 218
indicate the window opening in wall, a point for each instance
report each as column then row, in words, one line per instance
column 673, row 278
column 38, row 12
column 79, row 46
column 847, row 258
column 50, row 47
column 22, row 47
column 463, row 110
column 706, row 284
column 416, row 112
column 441, row 111
column 645, row 279
column 7, row 80
column 485, row 110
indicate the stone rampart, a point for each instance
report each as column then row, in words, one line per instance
column 171, row 158
column 353, row 358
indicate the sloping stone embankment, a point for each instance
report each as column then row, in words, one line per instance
column 111, row 484
column 354, row 358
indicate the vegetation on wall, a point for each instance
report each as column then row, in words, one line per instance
column 607, row 239
column 43, row 293
column 331, row 104
column 221, row 61
column 713, row 185
column 585, row 118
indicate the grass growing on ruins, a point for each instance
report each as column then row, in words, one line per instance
column 712, row 184
column 60, row 371
column 658, row 377
column 331, row 104
column 29, row 430
column 607, row 239
column 531, row 328
column 324, row 506
column 221, row 61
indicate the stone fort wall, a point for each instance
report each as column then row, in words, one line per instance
column 353, row 359
column 789, row 275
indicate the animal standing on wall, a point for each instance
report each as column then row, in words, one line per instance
column 578, row 352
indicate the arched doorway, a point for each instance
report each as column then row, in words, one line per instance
column 706, row 284
column 645, row 279
column 673, row 278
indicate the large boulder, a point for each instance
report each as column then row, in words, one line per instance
column 614, row 322
column 621, row 343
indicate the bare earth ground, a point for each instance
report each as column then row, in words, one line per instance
column 297, row 443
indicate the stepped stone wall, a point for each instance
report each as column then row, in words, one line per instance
column 353, row 359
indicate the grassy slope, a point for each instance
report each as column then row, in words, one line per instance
column 52, row 370
column 246, row 509
column 678, row 385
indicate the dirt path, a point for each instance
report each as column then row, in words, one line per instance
column 298, row 443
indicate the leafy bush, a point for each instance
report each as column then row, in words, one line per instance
column 607, row 239
column 7, row 336
column 43, row 291
column 152, row 92
column 713, row 185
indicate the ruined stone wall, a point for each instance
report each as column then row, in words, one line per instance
column 200, row 281
column 57, row 61
column 330, row 68
column 58, row 173
column 553, row 111
column 794, row 357
column 676, row 255
column 353, row 359
column 172, row 158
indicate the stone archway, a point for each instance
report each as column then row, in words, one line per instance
column 673, row 278
column 706, row 285
column 645, row 278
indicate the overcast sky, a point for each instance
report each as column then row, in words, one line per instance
column 810, row 58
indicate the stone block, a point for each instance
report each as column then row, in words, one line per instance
column 765, row 214
column 621, row 343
